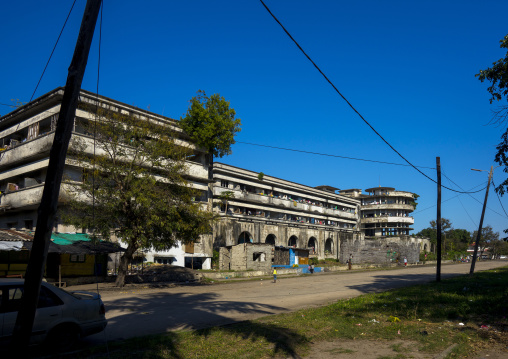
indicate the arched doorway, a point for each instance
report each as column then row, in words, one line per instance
column 245, row 237
column 292, row 241
column 312, row 245
column 329, row 246
column 270, row 239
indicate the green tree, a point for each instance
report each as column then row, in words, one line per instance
column 446, row 226
column 497, row 75
column 459, row 239
column 487, row 237
column 212, row 125
column 225, row 196
column 134, row 187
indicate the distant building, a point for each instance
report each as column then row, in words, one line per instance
column 384, row 211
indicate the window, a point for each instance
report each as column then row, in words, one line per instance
column 77, row 258
column 259, row 257
column 29, row 224
column 224, row 183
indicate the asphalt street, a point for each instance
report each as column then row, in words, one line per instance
column 144, row 311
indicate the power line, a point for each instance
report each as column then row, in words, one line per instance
column 344, row 98
column 329, row 155
column 54, row 47
column 499, row 199
column 468, row 193
column 449, row 199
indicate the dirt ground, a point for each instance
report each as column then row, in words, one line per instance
column 375, row 349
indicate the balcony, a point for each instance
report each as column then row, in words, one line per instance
column 408, row 207
column 284, row 203
column 388, row 219
column 27, row 151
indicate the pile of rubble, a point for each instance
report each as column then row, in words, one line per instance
column 165, row 273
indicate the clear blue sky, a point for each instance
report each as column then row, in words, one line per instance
column 407, row 66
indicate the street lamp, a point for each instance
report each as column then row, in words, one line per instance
column 478, row 235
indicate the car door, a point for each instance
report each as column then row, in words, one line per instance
column 48, row 313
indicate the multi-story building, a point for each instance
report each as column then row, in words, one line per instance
column 26, row 136
column 384, row 211
column 263, row 209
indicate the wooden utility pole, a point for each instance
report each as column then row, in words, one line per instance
column 47, row 210
column 479, row 234
column 438, row 220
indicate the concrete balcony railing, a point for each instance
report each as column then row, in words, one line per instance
column 26, row 151
column 284, row 203
column 388, row 219
column 31, row 197
column 408, row 207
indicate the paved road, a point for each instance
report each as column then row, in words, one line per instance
column 141, row 311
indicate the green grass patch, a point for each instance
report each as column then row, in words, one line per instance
column 428, row 315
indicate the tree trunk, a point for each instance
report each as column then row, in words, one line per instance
column 125, row 259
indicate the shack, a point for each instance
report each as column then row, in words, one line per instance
column 286, row 257
column 246, row 256
column 69, row 255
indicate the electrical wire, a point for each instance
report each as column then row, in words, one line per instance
column 54, row 47
column 499, row 199
column 449, row 199
column 350, row 105
column 328, row 155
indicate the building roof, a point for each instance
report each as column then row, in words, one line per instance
column 376, row 188
column 328, row 188
column 76, row 243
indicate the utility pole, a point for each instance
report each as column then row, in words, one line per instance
column 438, row 219
column 479, row 234
column 47, row 210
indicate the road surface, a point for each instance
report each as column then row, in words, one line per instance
column 137, row 312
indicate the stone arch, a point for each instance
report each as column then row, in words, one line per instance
column 329, row 246
column 270, row 239
column 244, row 237
column 312, row 244
column 293, row 241
column 425, row 249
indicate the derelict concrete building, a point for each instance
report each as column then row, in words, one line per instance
column 257, row 208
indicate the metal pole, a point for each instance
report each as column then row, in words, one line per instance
column 47, row 209
column 479, row 234
column 438, row 220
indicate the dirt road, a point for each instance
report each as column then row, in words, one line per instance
column 144, row 311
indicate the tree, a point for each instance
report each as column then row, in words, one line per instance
column 134, row 186
column 446, row 225
column 488, row 237
column 225, row 197
column 211, row 124
column 497, row 75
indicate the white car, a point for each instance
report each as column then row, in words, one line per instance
column 61, row 318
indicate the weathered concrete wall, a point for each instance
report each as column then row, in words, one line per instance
column 224, row 258
column 227, row 232
column 383, row 251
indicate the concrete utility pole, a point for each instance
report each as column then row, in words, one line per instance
column 438, row 220
column 479, row 234
column 48, row 207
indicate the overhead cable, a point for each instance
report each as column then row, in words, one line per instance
column 350, row 105
column 329, row 155
column 54, row 47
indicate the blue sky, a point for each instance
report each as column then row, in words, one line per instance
column 408, row 67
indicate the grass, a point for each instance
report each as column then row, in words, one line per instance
column 428, row 316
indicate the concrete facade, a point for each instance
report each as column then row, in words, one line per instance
column 246, row 256
column 281, row 213
column 383, row 251
column 26, row 136
column 384, row 211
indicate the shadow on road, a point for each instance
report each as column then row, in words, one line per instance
column 145, row 315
